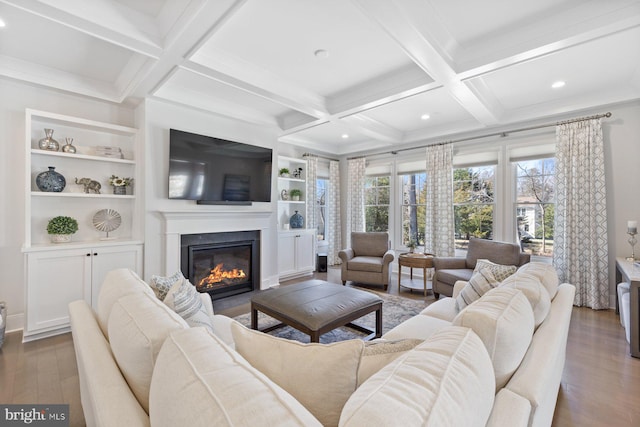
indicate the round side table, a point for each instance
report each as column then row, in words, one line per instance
column 414, row 260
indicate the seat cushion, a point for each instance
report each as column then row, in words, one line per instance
column 201, row 382
column 320, row 376
column 445, row 381
column 365, row 263
column 451, row 276
column 503, row 319
column 138, row 325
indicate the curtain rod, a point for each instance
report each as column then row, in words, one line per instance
column 501, row 134
column 320, row 157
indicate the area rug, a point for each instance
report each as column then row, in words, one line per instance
column 395, row 310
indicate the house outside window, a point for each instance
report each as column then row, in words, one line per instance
column 414, row 199
column 535, row 205
column 377, row 201
column 322, row 185
column 473, row 203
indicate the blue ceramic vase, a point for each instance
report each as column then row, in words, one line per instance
column 51, row 181
column 296, row 220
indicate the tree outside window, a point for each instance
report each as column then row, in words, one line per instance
column 414, row 199
column 377, row 203
column 473, row 203
column 321, row 207
column 535, row 207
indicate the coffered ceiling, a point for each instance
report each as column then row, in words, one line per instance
column 337, row 76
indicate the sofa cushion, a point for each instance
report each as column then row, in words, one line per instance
column 535, row 292
column 444, row 308
column 116, row 284
column 138, row 325
column 445, row 381
column 503, row 319
column 379, row 353
column 499, row 271
column 161, row 285
column 199, row 381
column 184, row 299
column 320, row 376
column 546, row 273
column 365, row 263
column 480, row 283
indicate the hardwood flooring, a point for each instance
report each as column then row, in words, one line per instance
column 600, row 384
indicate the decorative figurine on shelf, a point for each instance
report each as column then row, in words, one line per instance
column 297, row 173
column 284, row 195
column 89, row 185
column 48, row 143
column 120, row 184
column 61, row 228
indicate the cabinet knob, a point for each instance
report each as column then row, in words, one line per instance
column 95, row 254
column 88, row 254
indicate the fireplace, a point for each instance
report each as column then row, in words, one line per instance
column 222, row 264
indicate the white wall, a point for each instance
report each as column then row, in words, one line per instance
column 15, row 97
column 157, row 117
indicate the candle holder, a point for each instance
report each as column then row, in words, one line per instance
column 632, row 241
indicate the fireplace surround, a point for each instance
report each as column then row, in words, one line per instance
column 222, row 264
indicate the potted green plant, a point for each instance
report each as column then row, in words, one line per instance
column 120, row 184
column 412, row 244
column 295, row 194
column 284, row 172
column 61, row 228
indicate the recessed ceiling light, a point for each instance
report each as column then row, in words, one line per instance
column 2, row 24
column 321, row 53
column 345, row 136
column 558, row 84
column 425, row 117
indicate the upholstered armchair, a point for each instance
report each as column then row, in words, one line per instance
column 368, row 259
column 448, row 270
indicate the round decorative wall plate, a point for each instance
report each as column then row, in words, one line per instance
column 107, row 220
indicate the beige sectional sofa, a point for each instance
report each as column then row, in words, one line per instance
column 495, row 363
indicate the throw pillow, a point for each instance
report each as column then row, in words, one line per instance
column 481, row 282
column 500, row 272
column 320, row 376
column 184, row 299
column 379, row 353
column 161, row 285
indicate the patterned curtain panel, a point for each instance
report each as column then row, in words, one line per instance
column 310, row 197
column 439, row 228
column 355, row 187
column 580, row 234
column 334, row 226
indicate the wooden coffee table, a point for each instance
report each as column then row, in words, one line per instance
column 316, row 307
column 414, row 260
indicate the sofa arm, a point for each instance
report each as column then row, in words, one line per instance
column 346, row 254
column 524, row 258
column 446, row 263
column 388, row 257
column 206, row 301
column 509, row 409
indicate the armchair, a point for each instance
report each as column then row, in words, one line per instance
column 368, row 259
column 448, row 270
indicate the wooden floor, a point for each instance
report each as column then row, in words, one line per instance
column 600, row 385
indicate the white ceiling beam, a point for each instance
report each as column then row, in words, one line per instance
column 102, row 20
column 372, row 128
column 399, row 22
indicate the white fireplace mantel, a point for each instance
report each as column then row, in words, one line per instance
column 177, row 223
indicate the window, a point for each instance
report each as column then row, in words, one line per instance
column 414, row 199
column 535, row 208
column 322, row 185
column 377, row 203
column 473, row 203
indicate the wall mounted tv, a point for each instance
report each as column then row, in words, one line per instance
column 217, row 171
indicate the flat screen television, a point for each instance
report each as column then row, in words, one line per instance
column 218, row 171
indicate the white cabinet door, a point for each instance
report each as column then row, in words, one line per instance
column 304, row 252
column 55, row 278
column 109, row 258
column 286, row 254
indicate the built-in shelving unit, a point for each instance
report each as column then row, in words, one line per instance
column 58, row 273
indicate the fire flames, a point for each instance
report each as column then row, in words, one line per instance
column 218, row 274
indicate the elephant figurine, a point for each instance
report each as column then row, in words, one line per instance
column 89, row 184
